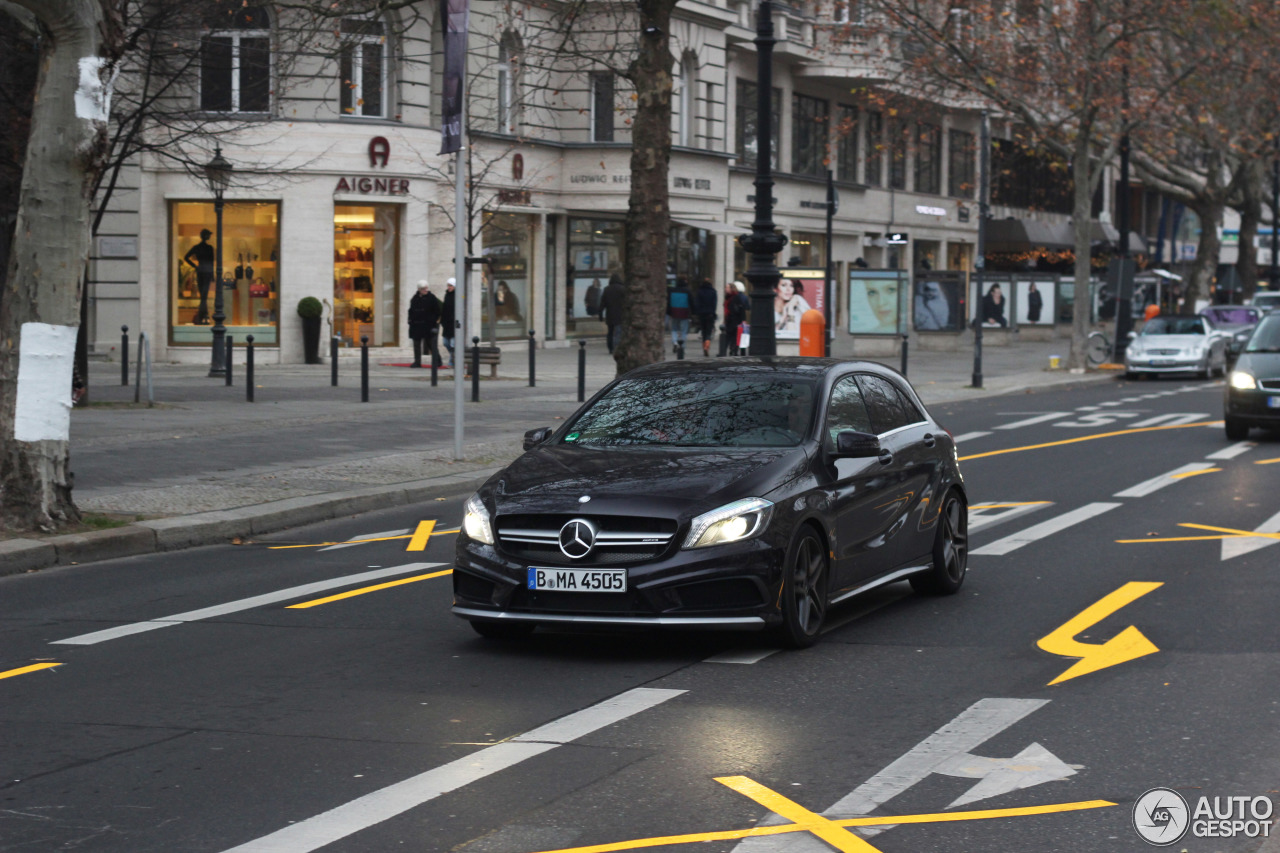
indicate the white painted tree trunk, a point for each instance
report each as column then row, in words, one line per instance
column 40, row 305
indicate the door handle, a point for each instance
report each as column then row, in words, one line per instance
column 929, row 440
column 885, row 457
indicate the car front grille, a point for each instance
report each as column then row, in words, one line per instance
column 535, row 539
column 1163, row 351
column 1269, row 384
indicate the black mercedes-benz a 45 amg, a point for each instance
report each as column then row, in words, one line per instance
column 738, row 494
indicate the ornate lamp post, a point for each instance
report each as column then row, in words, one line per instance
column 217, row 172
column 763, row 243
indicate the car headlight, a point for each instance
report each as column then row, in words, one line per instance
column 1244, row 381
column 730, row 523
column 1134, row 350
column 475, row 520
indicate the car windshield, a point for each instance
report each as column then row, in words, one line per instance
column 1232, row 315
column 1175, row 326
column 699, row 411
column 1267, row 300
column 1266, row 338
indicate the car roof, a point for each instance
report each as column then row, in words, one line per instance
column 807, row 367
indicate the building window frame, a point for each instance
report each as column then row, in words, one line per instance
column 961, row 170
column 810, row 126
column 899, row 153
column 846, row 145
column 745, row 109
column 602, row 93
column 928, row 163
column 360, row 38
column 873, row 165
column 508, row 112
column 249, row 33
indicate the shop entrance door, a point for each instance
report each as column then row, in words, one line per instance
column 366, row 251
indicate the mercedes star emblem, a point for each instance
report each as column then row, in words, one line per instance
column 577, row 538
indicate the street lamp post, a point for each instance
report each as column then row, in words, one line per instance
column 1273, row 280
column 217, row 172
column 764, row 242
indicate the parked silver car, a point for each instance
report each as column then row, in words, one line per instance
column 1177, row 343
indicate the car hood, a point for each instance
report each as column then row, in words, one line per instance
column 662, row 481
column 1170, row 341
column 1263, row 365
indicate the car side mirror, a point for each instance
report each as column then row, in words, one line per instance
column 1132, row 335
column 858, row 445
column 534, row 437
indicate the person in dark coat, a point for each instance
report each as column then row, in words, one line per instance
column 447, row 317
column 611, row 300
column 735, row 312
column 424, row 323
column 704, row 307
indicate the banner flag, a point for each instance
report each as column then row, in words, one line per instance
column 456, row 14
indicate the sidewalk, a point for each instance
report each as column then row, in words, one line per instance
column 203, row 466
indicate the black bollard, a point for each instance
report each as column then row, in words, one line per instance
column 475, row 370
column 333, row 361
column 364, row 368
column 228, row 341
column 248, row 368
column 904, row 355
column 435, row 370
column 532, row 360
column 582, row 371
column 124, row 355
column 724, row 342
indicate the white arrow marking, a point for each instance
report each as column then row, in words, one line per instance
column 1174, row 419
column 355, row 540
column 1247, row 545
column 1033, row 766
column 1231, row 451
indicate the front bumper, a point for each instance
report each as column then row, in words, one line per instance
column 729, row 587
column 1165, row 363
column 1253, row 407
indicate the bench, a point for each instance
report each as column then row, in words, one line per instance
column 491, row 356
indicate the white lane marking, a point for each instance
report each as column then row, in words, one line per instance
column 742, row 656
column 1130, row 399
column 1110, row 403
column 945, row 752
column 354, row 540
column 1097, row 419
column 969, row 436
column 1087, row 408
column 1168, row 478
column 981, row 516
column 1231, row 451
column 237, row 606
column 1237, row 547
column 373, row 808
column 1174, row 419
column 1045, row 528
column 1038, row 419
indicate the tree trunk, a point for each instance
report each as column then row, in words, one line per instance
column 1250, row 215
column 648, row 213
column 1081, row 209
column 40, row 312
column 1207, row 251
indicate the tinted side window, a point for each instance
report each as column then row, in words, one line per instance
column 846, row 410
column 912, row 411
column 884, row 403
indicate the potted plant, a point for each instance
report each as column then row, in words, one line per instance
column 310, row 310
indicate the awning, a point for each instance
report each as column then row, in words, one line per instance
column 708, row 225
column 1021, row 235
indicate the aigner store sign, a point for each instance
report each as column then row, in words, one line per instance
column 379, row 155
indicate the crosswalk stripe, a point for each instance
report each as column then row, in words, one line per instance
column 969, row 436
column 1043, row 529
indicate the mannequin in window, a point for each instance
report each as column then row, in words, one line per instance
column 200, row 257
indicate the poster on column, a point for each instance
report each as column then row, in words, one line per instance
column 1034, row 303
column 798, row 291
column 875, row 301
column 991, row 306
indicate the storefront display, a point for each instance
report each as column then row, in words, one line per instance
column 365, row 277
column 799, row 290
column 877, row 301
column 250, row 255
column 939, row 301
column 596, row 251
column 1034, row 301
column 507, row 240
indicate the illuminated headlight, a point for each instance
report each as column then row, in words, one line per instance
column 1244, row 381
column 475, row 520
column 730, row 523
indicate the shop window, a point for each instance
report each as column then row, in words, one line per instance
column 506, row 281
column 689, row 255
column 366, row 252
column 602, row 107
column 597, row 248
column 250, row 254
column 747, row 125
column 362, row 68
column 808, row 135
column 235, row 63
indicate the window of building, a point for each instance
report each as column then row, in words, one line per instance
column 602, row 107
column 960, row 169
column 808, row 135
column 846, row 143
column 899, row 132
column 928, row 158
column 508, row 77
column 747, row 125
column 235, row 63
column 688, row 100
column 875, row 149
column 362, row 68
column 366, row 263
column 508, row 241
column 250, row 254
column 597, row 250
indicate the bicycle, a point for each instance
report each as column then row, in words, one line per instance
column 1098, row 348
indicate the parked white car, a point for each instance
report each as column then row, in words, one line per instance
column 1177, row 343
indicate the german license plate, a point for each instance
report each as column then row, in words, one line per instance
column 1273, row 402
column 1161, row 362
column 577, row 580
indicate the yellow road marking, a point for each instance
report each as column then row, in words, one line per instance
column 1233, row 531
column 421, row 536
column 1176, row 539
column 1193, row 473
column 1128, row 645
column 367, row 589
column 360, row 541
column 734, row 834
column 1006, row 506
column 1080, row 438
column 23, row 670
column 824, row 828
column 1267, row 461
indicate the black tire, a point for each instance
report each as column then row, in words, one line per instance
column 804, row 591
column 1236, row 431
column 502, row 630
column 950, row 550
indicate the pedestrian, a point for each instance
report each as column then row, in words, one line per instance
column 611, row 300
column 447, row 317
column 735, row 313
column 424, row 323
column 680, row 310
column 704, row 306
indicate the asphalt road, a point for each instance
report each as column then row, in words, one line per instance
column 193, row 708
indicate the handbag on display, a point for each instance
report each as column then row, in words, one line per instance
column 259, row 290
column 240, row 268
